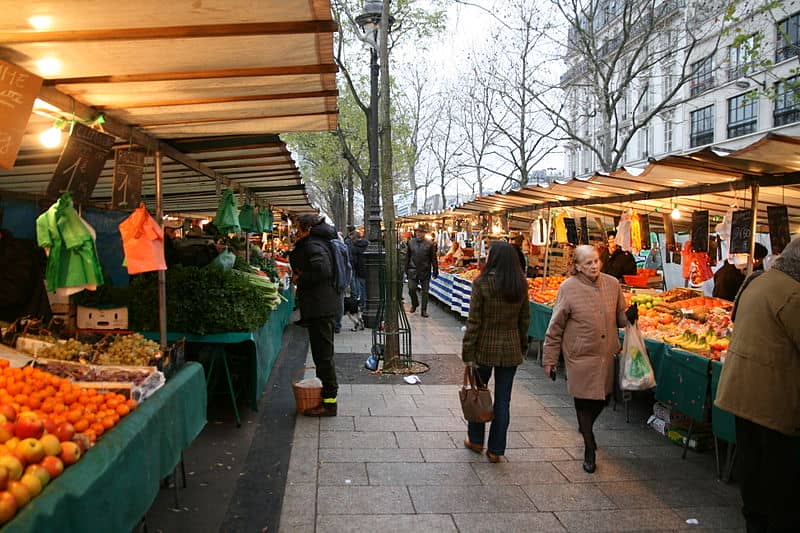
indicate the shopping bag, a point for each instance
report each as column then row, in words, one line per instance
column 636, row 372
column 476, row 399
column 227, row 219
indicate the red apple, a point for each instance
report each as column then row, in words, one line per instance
column 31, row 450
column 13, row 465
column 49, row 425
column 8, row 506
column 28, row 425
column 3, row 477
column 39, row 471
column 51, row 444
column 54, row 466
column 21, row 493
column 9, row 412
column 6, row 431
column 65, row 431
column 70, row 452
column 33, row 483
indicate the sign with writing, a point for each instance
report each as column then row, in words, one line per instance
column 18, row 90
column 572, row 230
column 644, row 223
column 778, row 219
column 80, row 163
column 584, row 239
column 700, row 231
column 741, row 230
column 127, row 184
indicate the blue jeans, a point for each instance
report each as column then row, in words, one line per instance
column 339, row 312
column 361, row 285
column 503, row 380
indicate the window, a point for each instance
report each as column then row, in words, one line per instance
column 788, row 41
column 646, row 141
column 702, row 76
column 787, row 101
column 741, row 58
column 742, row 114
column 702, row 126
column 668, row 129
column 668, row 80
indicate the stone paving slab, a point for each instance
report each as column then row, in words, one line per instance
column 472, row 499
column 424, row 439
column 343, row 474
column 337, row 423
column 524, row 455
column 514, row 439
column 716, row 518
column 357, row 439
column 438, row 474
column 619, row 520
column 440, row 423
column 396, row 523
column 384, row 423
column 507, row 522
column 410, row 411
column 358, row 455
column 568, row 497
column 363, row 500
column 518, row 473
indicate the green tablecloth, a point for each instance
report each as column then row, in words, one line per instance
column 683, row 380
column 723, row 423
column 540, row 319
column 116, row 482
column 260, row 347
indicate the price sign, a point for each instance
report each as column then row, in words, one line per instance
column 644, row 222
column 700, row 231
column 584, row 239
column 572, row 230
column 18, row 90
column 127, row 184
column 778, row 218
column 741, row 230
column 80, row 163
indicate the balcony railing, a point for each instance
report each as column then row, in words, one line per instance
column 786, row 115
column 742, row 128
column 787, row 52
column 700, row 138
column 702, row 85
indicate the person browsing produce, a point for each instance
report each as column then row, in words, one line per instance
column 420, row 261
column 589, row 308
column 495, row 339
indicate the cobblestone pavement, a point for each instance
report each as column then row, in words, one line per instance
column 393, row 460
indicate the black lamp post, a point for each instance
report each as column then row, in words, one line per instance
column 374, row 255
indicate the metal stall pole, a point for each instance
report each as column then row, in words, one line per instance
column 162, row 280
column 753, row 213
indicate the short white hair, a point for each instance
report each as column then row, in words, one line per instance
column 581, row 254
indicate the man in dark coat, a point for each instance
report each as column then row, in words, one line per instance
column 313, row 264
column 22, row 288
column 358, row 245
column 616, row 261
column 728, row 279
column 420, row 261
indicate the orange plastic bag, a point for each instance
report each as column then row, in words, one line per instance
column 143, row 242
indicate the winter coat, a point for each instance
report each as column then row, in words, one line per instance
column 497, row 331
column 312, row 259
column 421, row 258
column 357, row 249
column 22, row 291
column 618, row 264
column 727, row 281
column 584, row 329
column 760, row 380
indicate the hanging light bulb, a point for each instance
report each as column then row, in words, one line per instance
column 676, row 213
column 51, row 137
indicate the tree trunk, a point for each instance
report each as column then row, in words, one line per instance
column 350, row 197
column 412, row 181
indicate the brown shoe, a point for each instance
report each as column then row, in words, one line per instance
column 495, row 458
column 477, row 448
column 323, row 409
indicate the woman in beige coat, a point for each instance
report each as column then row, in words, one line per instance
column 589, row 308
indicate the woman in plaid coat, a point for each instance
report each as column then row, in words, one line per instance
column 496, row 338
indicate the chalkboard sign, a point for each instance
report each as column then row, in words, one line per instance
column 584, row 238
column 741, row 230
column 18, row 89
column 700, row 231
column 128, row 168
column 644, row 223
column 669, row 232
column 778, row 218
column 572, row 230
column 80, row 163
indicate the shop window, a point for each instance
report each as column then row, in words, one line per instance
column 787, row 101
column 702, row 76
column 788, row 41
column 742, row 114
column 702, row 126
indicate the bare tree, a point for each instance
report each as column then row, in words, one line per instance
column 445, row 145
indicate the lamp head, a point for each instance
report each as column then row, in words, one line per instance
column 369, row 19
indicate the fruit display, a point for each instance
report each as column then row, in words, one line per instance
column 470, row 274
column 46, row 424
column 544, row 290
column 704, row 342
column 129, row 350
column 679, row 293
column 67, row 350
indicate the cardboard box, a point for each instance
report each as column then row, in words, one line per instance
column 92, row 318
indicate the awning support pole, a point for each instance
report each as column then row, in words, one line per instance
column 754, row 214
column 162, row 275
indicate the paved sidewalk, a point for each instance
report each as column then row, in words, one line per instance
column 393, row 460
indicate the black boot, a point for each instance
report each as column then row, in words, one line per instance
column 589, row 465
column 323, row 409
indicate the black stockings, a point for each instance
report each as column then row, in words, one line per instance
column 588, row 411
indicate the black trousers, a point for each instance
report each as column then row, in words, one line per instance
column 423, row 286
column 320, row 336
column 588, row 411
column 768, row 464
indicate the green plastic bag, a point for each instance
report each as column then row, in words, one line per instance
column 225, row 260
column 258, row 222
column 265, row 214
column 247, row 218
column 636, row 372
column 227, row 219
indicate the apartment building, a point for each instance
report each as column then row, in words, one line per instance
column 737, row 83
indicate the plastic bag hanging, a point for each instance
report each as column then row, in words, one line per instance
column 257, row 220
column 227, row 219
column 265, row 214
column 143, row 242
column 247, row 218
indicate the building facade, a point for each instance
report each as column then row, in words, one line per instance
column 740, row 80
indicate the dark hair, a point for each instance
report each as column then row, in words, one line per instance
column 611, row 233
column 760, row 251
column 308, row 221
column 509, row 279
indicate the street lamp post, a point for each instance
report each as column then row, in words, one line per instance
column 374, row 255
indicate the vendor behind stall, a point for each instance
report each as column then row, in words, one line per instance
column 730, row 275
column 616, row 261
column 22, row 290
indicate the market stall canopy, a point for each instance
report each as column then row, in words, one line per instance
column 212, row 84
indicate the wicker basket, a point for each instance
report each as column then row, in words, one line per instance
column 305, row 397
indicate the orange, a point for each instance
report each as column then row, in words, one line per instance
column 108, row 422
column 132, row 404
column 98, row 428
column 123, row 409
column 92, row 434
column 81, row 425
column 4, row 363
column 74, row 415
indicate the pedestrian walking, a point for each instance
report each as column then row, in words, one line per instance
column 589, row 308
column 358, row 245
column 420, row 264
column 760, row 384
column 495, row 339
column 313, row 265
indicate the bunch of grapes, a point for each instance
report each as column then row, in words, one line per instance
column 131, row 349
column 70, row 350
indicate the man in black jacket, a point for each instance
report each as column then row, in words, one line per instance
column 616, row 261
column 358, row 246
column 314, row 270
column 420, row 260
